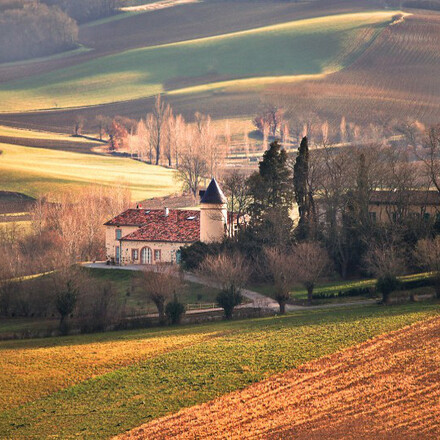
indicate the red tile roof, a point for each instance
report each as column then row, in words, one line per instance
column 179, row 226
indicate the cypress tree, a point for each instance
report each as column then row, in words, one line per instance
column 303, row 195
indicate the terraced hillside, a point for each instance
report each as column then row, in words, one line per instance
column 384, row 388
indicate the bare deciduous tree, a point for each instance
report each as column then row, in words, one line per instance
column 427, row 254
column 281, row 268
column 311, row 263
column 230, row 273
column 160, row 286
column 193, row 166
column 386, row 263
column 236, row 190
column 431, row 155
column 158, row 125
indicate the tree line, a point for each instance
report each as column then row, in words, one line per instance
column 85, row 10
column 331, row 189
column 35, row 30
column 196, row 150
column 31, row 28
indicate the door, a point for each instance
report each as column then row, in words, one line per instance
column 146, row 256
column 118, row 254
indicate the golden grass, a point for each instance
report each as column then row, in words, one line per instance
column 383, row 388
column 37, row 171
column 29, row 373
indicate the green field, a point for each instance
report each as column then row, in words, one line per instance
column 37, row 171
column 333, row 287
column 283, row 52
column 95, row 386
column 131, row 281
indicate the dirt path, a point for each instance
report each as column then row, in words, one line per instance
column 386, row 388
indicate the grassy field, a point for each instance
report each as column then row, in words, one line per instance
column 387, row 385
column 37, row 171
column 95, row 386
column 311, row 47
column 298, row 292
column 127, row 281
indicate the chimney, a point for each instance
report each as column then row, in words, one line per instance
column 166, row 212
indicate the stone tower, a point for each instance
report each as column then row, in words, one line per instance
column 213, row 214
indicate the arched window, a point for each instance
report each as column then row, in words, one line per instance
column 146, row 256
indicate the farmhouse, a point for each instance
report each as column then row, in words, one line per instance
column 154, row 236
column 391, row 206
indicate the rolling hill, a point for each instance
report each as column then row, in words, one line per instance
column 38, row 171
column 286, row 52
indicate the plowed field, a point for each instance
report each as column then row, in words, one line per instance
column 387, row 388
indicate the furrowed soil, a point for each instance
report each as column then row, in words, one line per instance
column 386, row 388
column 396, row 77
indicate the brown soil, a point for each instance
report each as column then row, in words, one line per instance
column 77, row 147
column 397, row 77
column 386, row 388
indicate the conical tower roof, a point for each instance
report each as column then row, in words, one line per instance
column 213, row 194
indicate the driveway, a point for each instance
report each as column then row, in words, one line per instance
column 257, row 299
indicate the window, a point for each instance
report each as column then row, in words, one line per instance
column 373, row 216
column 118, row 234
column 134, row 254
column 426, row 216
column 157, row 255
column 178, row 256
column 146, row 255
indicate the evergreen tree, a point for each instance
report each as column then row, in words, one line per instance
column 303, row 195
column 272, row 197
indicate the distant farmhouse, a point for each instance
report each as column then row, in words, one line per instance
column 392, row 206
column 154, row 236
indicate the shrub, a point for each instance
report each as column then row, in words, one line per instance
column 174, row 311
column 228, row 299
column 194, row 255
column 386, row 285
column 65, row 303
